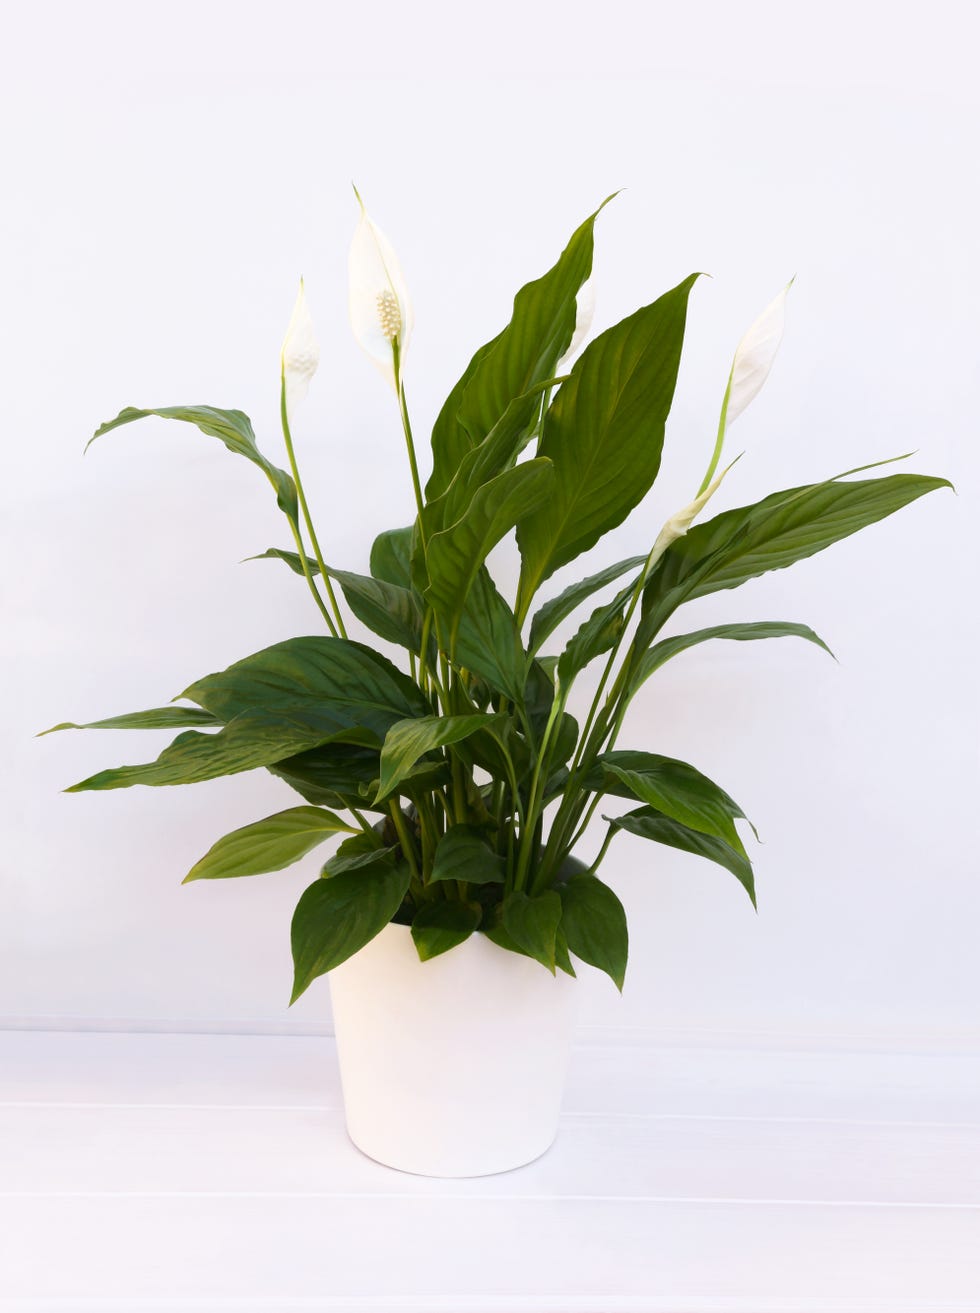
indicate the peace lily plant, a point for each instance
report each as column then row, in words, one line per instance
column 458, row 779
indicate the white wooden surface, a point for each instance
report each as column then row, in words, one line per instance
column 193, row 1173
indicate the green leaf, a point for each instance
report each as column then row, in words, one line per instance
column 648, row 823
column 488, row 642
column 408, row 740
column 292, row 559
column 391, row 557
column 562, row 959
column 594, row 637
column 533, row 924
column 158, row 718
column 604, row 434
column 438, row 927
column 453, row 557
column 594, row 924
column 674, row 788
column 552, row 613
column 662, row 652
column 253, row 738
column 360, row 850
column 770, row 535
column 538, row 335
column 269, row 845
column 463, row 853
column 450, row 440
column 335, row 918
column 358, row 686
column 232, row 427
column 332, row 775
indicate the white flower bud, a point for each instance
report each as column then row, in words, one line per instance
column 300, row 353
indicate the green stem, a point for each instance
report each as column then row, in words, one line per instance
column 309, row 577
column 288, row 437
column 719, row 438
column 404, row 838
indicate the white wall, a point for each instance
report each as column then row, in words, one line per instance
column 171, row 172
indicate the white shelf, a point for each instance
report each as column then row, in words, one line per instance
column 198, row 1173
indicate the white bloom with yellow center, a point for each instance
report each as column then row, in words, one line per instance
column 380, row 310
column 300, row 353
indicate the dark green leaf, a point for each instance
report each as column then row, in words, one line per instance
column 360, row 850
column 391, row 555
column 232, row 427
column 594, row 637
column 488, row 642
column 648, row 823
column 552, row 613
column 661, row 652
column 604, row 433
column 533, row 924
column 594, row 924
column 408, row 740
column 336, row 917
column 450, row 441
column 269, row 845
column 463, row 853
column 438, row 927
column 158, row 718
column 333, row 775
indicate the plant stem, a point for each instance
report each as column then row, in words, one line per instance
column 309, row 577
column 288, row 438
column 404, row 838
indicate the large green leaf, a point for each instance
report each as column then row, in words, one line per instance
column 454, row 556
column 251, row 739
column 269, row 845
column 488, row 642
column 770, row 535
column 232, row 427
column 409, row 740
column 594, row 925
column 594, row 636
column 360, row 850
column 648, row 823
column 552, row 613
column 463, row 853
column 336, row 917
column 604, row 434
column 450, row 440
column 158, row 718
column 533, row 924
column 438, row 927
column 538, row 335
column 662, row 652
column 333, row 775
column 391, row 556
column 674, row 788
column 360, row 687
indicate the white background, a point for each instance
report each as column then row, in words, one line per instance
column 170, row 172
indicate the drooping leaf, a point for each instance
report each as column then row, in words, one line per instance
column 333, row 775
column 551, row 614
column 292, row 559
column 268, row 845
column 648, row 823
column 454, row 556
column 463, row 853
column 360, row 850
column 674, row 788
column 594, row 925
column 232, row 427
column 533, row 923
column 604, row 433
column 391, row 555
column 251, row 739
column 662, row 652
column 409, row 740
column 438, row 927
column 770, row 535
column 538, row 335
column 359, row 686
column 158, row 718
column 336, row 917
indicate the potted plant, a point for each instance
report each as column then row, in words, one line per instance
column 459, row 782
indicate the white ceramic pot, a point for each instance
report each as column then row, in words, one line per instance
column 455, row 1066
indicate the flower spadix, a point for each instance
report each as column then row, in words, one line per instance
column 380, row 310
column 300, row 354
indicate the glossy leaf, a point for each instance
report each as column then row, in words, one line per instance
column 438, row 927
column 604, row 433
column 551, row 614
column 336, row 917
column 408, row 740
column 533, row 924
column 648, row 823
column 594, row 637
column 391, row 555
column 158, row 718
column 268, row 845
column 487, row 641
column 463, row 853
column 450, row 440
column 594, row 925
column 332, row 775
column 662, row 652
column 357, row 852
column 454, row 556
column 232, row 427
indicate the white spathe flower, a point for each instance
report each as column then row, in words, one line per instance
column 754, row 357
column 584, row 314
column 300, row 353
column 380, row 310
column 679, row 523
